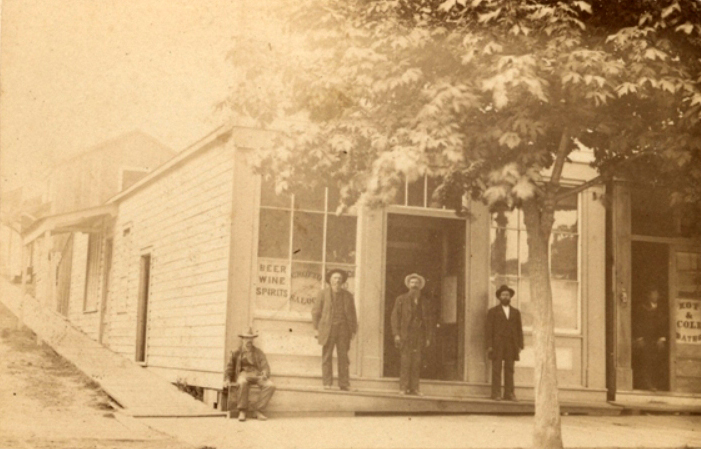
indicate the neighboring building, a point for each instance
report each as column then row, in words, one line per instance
column 201, row 248
column 69, row 237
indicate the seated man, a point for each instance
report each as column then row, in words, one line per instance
column 248, row 366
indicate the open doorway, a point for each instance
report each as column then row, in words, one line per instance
column 434, row 248
column 650, row 272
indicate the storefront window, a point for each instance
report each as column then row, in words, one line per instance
column 509, row 262
column 300, row 239
column 419, row 193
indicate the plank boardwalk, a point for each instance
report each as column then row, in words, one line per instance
column 140, row 392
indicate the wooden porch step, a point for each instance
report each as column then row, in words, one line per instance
column 304, row 400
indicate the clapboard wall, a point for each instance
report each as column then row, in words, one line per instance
column 182, row 219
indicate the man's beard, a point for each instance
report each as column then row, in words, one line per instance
column 414, row 293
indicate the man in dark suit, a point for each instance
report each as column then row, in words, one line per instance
column 412, row 327
column 650, row 333
column 336, row 324
column 248, row 366
column 504, row 342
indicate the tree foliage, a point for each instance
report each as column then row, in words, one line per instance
column 483, row 93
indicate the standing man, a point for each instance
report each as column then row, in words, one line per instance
column 650, row 332
column 248, row 366
column 504, row 342
column 335, row 323
column 412, row 327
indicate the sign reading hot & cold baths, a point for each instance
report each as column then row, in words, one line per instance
column 688, row 321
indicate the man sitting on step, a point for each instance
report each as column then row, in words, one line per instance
column 248, row 366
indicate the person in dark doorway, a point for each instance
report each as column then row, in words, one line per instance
column 412, row 327
column 650, row 334
column 336, row 324
column 504, row 342
column 248, row 366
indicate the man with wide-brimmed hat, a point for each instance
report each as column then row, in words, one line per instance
column 504, row 342
column 412, row 328
column 336, row 324
column 248, row 366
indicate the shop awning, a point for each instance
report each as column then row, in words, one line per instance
column 86, row 220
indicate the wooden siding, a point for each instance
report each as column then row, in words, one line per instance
column 183, row 221
column 85, row 320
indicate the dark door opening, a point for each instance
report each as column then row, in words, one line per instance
column 649, row 271
column 142, row 311
column 434, row 248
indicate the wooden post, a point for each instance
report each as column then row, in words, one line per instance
column 23, row 286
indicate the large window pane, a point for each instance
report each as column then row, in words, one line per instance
column 523, row 252
column 565, row 300
column 566, row 219
column 306, row 283
column 268, row 197
column 340, row 239
column 504, row 251
column 308, row 237
column 563, row 256
column 432, row 184
column 274, row 233
column 416, row 193
column 311, row 199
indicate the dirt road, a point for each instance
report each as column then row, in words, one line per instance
column 45, row 402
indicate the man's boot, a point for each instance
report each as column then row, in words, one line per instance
column 242, row 415
column 261, row 417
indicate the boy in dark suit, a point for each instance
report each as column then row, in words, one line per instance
column 504, row 342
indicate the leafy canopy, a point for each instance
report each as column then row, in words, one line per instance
column 484, row 94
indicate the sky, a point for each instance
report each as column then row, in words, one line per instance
column 75, row 73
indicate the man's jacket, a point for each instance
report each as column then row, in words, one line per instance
column 233, row 368
column 401, row 316
column 322, row 313
column 504, row 336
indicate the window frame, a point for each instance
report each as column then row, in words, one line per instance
column 578, row 330
column 287, row 314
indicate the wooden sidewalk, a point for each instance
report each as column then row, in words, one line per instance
column 140, row 392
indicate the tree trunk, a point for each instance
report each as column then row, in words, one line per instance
column 547, row 430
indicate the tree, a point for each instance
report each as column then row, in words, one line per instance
column 487, row 95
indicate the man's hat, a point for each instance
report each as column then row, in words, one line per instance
column 421, row 279
column 249, row 334
column 505, row 288
column 343, row 273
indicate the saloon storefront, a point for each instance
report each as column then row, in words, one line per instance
column 296, row 239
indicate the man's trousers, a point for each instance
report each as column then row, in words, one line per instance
column 339, row 338
column 410, row 364
column 244, row 381
column 508, row 378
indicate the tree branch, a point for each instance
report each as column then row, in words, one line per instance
column 596, row 180
column 562, row 152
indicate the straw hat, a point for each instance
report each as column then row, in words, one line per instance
column 421, row 279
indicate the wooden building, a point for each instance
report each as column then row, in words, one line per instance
column 201, row 248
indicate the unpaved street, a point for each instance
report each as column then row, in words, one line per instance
column 45, row 402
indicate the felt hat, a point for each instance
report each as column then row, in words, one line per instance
column 505, row 288
column 249, row 334
column 415, row 276
column 343, row 273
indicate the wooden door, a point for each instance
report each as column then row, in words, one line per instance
column 142, row 311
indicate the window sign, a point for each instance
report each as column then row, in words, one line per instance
column 688, row 321
column 272, row 284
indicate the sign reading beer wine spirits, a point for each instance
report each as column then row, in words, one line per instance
column 272, row 284
column 688, row 321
